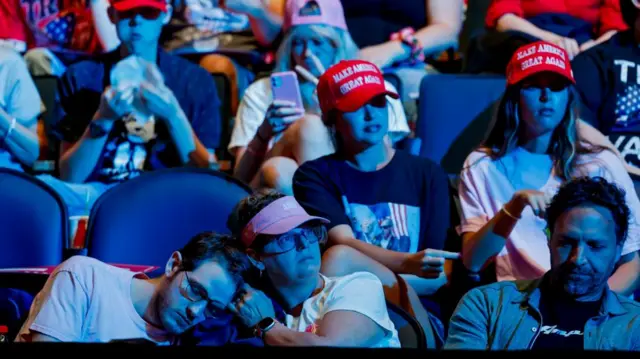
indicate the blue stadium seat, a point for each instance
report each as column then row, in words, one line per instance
column 142, row 221
column 34, row 222
column 454, row 115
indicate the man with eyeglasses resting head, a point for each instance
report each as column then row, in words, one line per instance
column 283, row 241
column 85, row 300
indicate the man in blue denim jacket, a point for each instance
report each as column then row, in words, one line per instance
column 571, row 306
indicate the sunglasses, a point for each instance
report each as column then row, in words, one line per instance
column 295, row 239
column 147, row 13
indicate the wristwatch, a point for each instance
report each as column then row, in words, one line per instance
column 263, row 327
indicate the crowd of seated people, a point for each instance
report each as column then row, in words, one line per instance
column 342, row 220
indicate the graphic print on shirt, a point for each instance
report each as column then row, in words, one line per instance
column 66, row 24
column 387, row 225
column 553, row 330
column 626, row 131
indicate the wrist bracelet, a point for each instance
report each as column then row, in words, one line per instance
column 407, row 37
column 510, row 215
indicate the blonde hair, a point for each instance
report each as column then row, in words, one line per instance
column 341, row 40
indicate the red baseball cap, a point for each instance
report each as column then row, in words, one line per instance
column 539, row 57
column 349, row 85
column 279, row 217
column 125, row 5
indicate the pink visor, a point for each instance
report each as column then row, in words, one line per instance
column 279, row 217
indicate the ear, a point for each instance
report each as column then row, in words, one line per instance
column 254, row 258
column 167, row 15
column 173, row 264
column 111, row 12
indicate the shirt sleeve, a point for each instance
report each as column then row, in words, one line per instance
column 591, row 84
column 474, row 216
column 316, row 195
column 361, row 293
column 250, row 115
column 398, row 125
column 438, row 209
column 611, row 168
column 59, row 309
column 499, row 8
column 469, row 323
column 78, row 102
column 205, row 115
column 611, row 17
column 21, row 98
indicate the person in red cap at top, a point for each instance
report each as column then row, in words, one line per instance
column 388, row 204
column 534, row 145
column 132, row 110
column 283, row 241
column 575, row 25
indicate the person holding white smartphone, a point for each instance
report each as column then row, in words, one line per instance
column 271, row 138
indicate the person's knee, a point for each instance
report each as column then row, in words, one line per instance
column 39, row 61
column 277, row 173
column 218, row 64
column 309, row 138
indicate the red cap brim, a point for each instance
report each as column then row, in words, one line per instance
column 523, row 75
column 357, row 99
column 127, row 5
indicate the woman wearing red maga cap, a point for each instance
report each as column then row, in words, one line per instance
column 536, row 143
column 388, row 204
column 283, row 240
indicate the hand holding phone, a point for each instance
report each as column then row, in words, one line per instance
column 286, row 107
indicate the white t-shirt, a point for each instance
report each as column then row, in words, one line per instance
column 258, row 97
column 18, row 97
column 359, row 292
column 85, row 300
column 487, row 185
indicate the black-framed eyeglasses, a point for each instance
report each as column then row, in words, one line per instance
column 195, row 293
column 299, row 238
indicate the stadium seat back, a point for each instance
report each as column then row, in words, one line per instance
column 142, row 221
column 454, row 116
column 34, row 222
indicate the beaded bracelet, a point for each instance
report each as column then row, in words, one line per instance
column 407, row 37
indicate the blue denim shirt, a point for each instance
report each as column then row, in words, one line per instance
column 505, row 316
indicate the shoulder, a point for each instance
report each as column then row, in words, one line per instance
column 355, row 281
column 419, row 162
column 498, row 291
column 84, row 268
column 184, row 69
column 477, row 161
column 319, row 165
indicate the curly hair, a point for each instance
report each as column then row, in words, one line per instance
column 596, row 191
column 629, row 12
column 222, row 248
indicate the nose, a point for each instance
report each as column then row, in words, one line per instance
column 368, row 112
column 196, row 310
column 135, row 19
column 302, row 243
column 544, row 94
column 577, row 255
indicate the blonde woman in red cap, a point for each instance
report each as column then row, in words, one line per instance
column 271, row 138
column 387, row 204
column 536, row 143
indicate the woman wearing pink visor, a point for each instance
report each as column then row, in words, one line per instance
column 283, row 242
column 536, row 143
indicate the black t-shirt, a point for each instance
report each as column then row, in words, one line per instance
column 124, row 156
column 563, row 321
column 371, row 22
column 402, row 207
column 608, row 80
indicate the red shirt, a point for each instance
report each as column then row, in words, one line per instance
column 55, row 24
column 603, row 14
